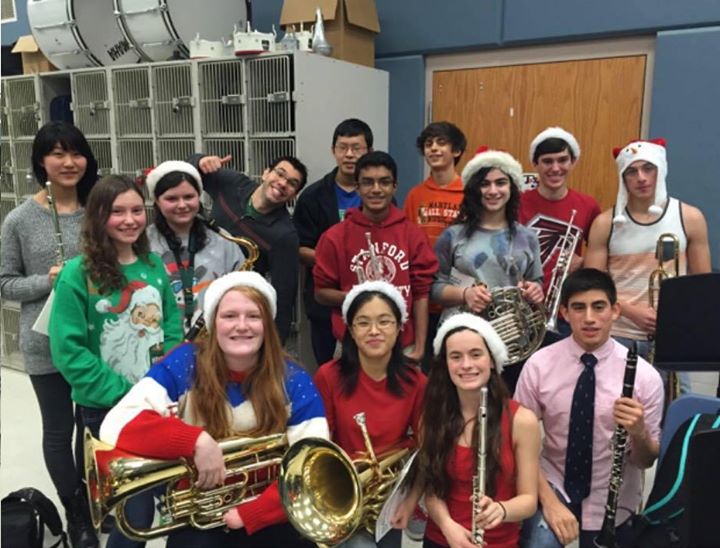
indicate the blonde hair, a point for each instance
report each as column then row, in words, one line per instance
column 264, row 387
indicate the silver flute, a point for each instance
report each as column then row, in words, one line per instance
column 59, row 246
column 479, row 479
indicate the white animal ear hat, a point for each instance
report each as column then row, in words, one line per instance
column 485, row 157
column 481, row 327
column 555, row 133
column 652, row 151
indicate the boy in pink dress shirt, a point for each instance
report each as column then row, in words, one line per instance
column 546, row 386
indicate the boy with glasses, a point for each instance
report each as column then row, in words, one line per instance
column 257, row 211
column 377, row 242
column 322, row 205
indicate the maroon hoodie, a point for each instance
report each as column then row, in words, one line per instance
column 403, row 257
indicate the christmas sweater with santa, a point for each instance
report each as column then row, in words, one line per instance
column 155, row 420
column 398, row 253
column 103, row 344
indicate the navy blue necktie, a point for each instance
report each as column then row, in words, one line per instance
column 579, row 455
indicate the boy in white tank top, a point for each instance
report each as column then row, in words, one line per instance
column 623, row 239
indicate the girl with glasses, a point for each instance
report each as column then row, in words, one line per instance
column 373, row 377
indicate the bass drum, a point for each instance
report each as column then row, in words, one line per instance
column 79, row 33
column 161, row 30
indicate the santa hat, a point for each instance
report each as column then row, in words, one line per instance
column 555, row 133
column 157, row 173
column 217, row 289
column 103, row 306
column 484, row 157
column 481, row 327
column 387, row 289
column 652, row 151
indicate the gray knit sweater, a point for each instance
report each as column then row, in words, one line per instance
column 26, row 255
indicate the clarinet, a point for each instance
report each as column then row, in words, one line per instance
column 606, row 538
column 479, row 478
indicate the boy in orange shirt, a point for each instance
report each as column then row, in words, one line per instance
column 434, row 204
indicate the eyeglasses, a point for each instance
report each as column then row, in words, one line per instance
column 383, row 324
column 384, row 183
column 357, row 150
column 291, row 182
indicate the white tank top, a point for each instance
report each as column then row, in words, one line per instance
column 631, row 259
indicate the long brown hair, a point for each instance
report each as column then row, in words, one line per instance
column 442, row 422
column 264, row 386
column 101, row 257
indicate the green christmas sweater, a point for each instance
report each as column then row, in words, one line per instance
column 104, row 344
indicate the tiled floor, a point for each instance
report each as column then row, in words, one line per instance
column 22, row 463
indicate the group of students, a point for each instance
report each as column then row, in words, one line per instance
column 125, row 297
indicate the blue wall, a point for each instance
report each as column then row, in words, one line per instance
column 687, row 78
column 686, row 92
column 12, row 31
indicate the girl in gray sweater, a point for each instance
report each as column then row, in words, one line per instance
column 28, row 268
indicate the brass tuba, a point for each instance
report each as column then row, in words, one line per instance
column 113, row 475
column 253, row 253
column 327, row 496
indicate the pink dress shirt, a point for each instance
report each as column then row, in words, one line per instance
column 546, row 387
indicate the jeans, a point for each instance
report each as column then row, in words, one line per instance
column 274, row 536
column 536, row 532
column 644, row 351
column 58, row 422
column 363, row 539
column 139, row 510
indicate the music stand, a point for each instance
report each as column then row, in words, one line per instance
column 688, row 324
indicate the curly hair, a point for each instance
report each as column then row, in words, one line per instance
column 471, row 208
column 70, row 139
column 442, row 423
column 264, row 386
column 197, row 230
column 101, row 257
column 398, row 370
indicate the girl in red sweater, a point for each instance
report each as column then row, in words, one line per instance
column 373, row 377
column 470, row 355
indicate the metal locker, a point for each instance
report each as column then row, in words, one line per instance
column 91, row 104
column 222, row 97
column 174, row 100
column 174, row 149
column 102, row 149
column 223, row 147
column 24, row 178
column 23, row 107
column 269, row 96
column 6, row 170
column 132, row 102
column 134, row 157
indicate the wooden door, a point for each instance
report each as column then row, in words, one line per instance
column 597, row 100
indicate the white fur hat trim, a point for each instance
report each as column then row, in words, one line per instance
column 555, row 133
column 652, row 152
column 152, row 178
column 385, row 288
column 493, row 159
column 482, row 327
column 215, row 291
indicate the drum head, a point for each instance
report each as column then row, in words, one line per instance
column 79, row 33
column 161, row 34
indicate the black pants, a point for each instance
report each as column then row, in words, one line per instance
column 59, row 420
column 323, row 340
column 276, row 536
